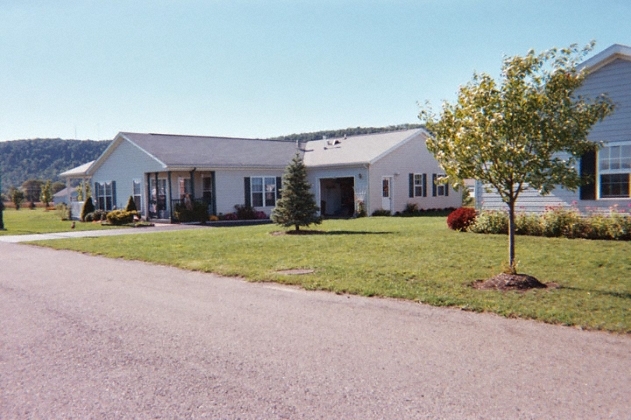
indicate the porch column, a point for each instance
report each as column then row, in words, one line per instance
column 169, row 197
column 68, row 190
column 193, row 184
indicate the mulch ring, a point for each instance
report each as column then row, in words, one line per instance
column 520, row 282
column 297, row 232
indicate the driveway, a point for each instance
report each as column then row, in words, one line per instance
column 90, row 337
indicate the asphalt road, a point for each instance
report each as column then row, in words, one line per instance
column 90, row 337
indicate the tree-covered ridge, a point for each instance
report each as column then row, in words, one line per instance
column 44, row 159
column 351, row 131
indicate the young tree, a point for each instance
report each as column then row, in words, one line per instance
column 529, row 129
column 17, row 196
column 46, row 196
column 297, row 206
column 32, row 189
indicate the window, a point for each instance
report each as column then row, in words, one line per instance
column 263, row 191
column 440, row 190
column 105, row 194
column 184, row 185
column 614, row 167
column 137, row 194
column 207, row 188
column 385, row 188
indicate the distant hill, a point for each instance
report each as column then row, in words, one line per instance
column 21, row 160
column 318, row 135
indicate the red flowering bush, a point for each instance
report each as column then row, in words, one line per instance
column 461, row 218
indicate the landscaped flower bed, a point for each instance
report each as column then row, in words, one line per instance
column 558, row 222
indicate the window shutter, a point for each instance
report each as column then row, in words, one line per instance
column 433, row 185
column 424, row 185
column 447, row 190
column 279, row 186
column 246, row 188
column 411, row 187
column 588, row 172
column 114, row 194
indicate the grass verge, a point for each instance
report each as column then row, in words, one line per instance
column 409, row 258
column 27, row 222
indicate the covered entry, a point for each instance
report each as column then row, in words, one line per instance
column 337, row 197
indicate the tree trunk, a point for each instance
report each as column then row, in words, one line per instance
column 297, row 227
column 511, row 236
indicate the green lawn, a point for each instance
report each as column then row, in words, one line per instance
column 409, row 258
column 27, row 222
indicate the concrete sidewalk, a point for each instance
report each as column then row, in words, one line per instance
column 96, row 233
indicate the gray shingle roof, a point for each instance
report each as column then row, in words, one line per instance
column 179, row 151
column 362, row 149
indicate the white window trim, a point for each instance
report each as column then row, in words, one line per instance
column 140, row 194
column 420, row 184
column 263, row 192
column 600, row 171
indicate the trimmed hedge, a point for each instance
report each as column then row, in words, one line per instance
column 121, row 217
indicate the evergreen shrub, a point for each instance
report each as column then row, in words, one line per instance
column 88, row 207
column 131, row 204
column 121, row 217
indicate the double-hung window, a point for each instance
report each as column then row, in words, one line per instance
column 417, row 185
column 263, row 191
column 137, row 194
column 105, row 194
column 439, row 190
column 614, row 169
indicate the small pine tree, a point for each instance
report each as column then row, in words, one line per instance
column 88, row 207
column 297, row 206
column 131, row 204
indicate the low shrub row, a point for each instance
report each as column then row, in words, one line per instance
column 412, row 210
column 557, row 222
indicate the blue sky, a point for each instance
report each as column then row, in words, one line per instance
column 263, row 68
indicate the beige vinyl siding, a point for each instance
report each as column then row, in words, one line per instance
column 230, row 189
column 410, row 157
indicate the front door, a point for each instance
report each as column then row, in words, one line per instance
column 386, row 193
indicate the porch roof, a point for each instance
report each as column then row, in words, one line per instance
column 78, row 172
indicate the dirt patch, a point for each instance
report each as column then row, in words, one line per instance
column 505, row 281
column 297, row 232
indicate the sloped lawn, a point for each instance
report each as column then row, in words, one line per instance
column 409, row 258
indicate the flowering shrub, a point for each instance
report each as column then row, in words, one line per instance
column 491, row 221
column 528, row 224
column 558, row 222
column 460, row 219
